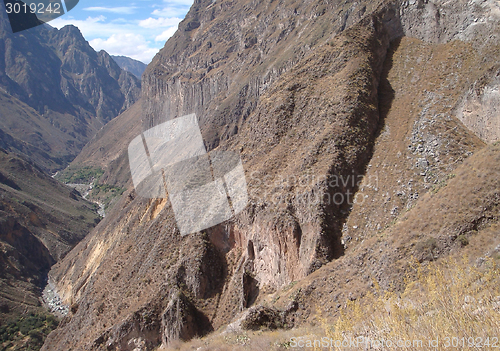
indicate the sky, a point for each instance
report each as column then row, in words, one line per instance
column 137, row 29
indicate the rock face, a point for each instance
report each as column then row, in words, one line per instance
column 345, row 114
column 222, row 59
column 135, row 67
column 56, row 92
column 40, row 221
column 479, row 110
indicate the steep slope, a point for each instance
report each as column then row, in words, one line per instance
column 40, row 221
column 128, row 64
column 102, row 167
column 460, row 219
column 57, row 92
column 25, row 131
column 206, row 278
column 224, row 57
column 347, row 120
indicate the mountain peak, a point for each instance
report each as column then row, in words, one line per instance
column 60, row 81
column 73, row 30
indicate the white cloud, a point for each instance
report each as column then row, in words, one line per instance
column 117, row 38
column 125, row 10
column 163, row 37
column 139, row 36
column 179, row 2
column 172, row 8
column 91, row 27
column 171, row 11
column 159, row 22
column 126, row 44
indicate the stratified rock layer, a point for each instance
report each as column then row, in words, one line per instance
column 313, row 96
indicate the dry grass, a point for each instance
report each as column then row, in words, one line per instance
column 447, row 300
column 450, row 299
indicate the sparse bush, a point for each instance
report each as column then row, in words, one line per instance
column 427, row 245
column 105, row 193
column 106, row 188
column 462, row 239
column 290, row 286
column 446, row 299
column 36, row 335
column 4, row 308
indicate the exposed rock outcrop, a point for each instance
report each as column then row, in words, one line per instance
column 344, row 118
column 56, row 92
column 258, row 318
column 479, row 110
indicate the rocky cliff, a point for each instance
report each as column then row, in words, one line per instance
column 350, row 117
column 56, row 92
column 40, row 221
column 128, row 64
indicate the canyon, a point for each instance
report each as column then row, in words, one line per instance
column 400, row 95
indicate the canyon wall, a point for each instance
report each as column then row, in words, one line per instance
column 313, row 96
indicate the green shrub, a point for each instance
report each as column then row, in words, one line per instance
column 36, row 326
column 106, row 188
column 427, row 245
column 84, row 175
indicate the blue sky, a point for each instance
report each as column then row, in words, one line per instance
column 136, row 29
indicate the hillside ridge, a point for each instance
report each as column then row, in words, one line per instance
column 368, row 94
column 56, row 92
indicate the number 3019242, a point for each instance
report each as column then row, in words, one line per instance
column 39, row 8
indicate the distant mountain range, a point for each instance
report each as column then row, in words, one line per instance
column 135, row 67
column 56, row 92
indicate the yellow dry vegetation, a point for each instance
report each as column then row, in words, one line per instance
column 450, row 301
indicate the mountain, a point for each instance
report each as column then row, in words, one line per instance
column 40, row 221
column 56, row 92
column 135, row 67
column 366, row 131
column 103, row 166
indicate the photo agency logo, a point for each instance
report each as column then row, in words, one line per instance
column 28, row 14
column 170, row 160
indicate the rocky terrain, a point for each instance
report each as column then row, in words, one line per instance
column 367, row 133
column 56, row 92
column 40, row 221
column 135, row 67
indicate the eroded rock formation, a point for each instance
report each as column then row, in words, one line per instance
column 313, row 96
